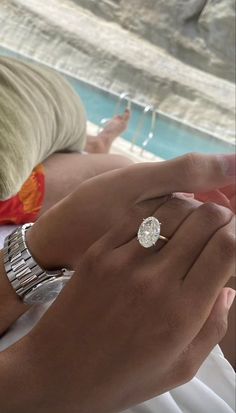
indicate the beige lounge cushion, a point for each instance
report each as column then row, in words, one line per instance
column 39, row 114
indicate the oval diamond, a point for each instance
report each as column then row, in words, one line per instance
column 149, row 232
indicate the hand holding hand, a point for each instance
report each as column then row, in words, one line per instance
column 133, row 322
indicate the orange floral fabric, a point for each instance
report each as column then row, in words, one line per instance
column 25, row 206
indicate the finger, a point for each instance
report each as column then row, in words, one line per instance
column 184, row 248
column 233, row 203
column 214, row 267
column 125, row 228
column 214, row 196
column 187, row 195
column 171, row 215
column 119, row 234
column 189, row 173
column 127, row 114
column 229, row 190
column 230, row 193
column 209, row 336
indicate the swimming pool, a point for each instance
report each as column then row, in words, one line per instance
column 171, row 138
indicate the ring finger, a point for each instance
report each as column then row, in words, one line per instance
column 171, row 215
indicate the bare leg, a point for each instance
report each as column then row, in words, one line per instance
column 103, row 141
column 65, row 171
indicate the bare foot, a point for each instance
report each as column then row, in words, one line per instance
column 103, row 141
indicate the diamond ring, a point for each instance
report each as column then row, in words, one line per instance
column 150, row 232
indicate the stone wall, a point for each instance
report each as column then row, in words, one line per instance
column 72, row 39
column 201, row 33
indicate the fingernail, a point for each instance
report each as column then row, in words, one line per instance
column 187, row 195
column 230, row 298
column 228, row 164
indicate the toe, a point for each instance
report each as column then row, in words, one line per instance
column 127, row 114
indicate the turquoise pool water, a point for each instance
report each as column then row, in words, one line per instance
column 171, row 138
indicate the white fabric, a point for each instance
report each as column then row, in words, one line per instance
column 211, row 391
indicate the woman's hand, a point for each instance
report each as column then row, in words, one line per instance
column 134, row 322
column 63, row 234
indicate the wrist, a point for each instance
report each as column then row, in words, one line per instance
column 60, row 236
column 42, row 242
column 54, row 240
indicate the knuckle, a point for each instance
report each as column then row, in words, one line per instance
column 192, row 164
column 225, row 243
column 93, row 254
column 93, row 257
column 177, row 204
column 217, row 167
column 213, row 214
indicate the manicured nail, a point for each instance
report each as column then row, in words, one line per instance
column 228, row 163
column 230, row 298
column 187, row 195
